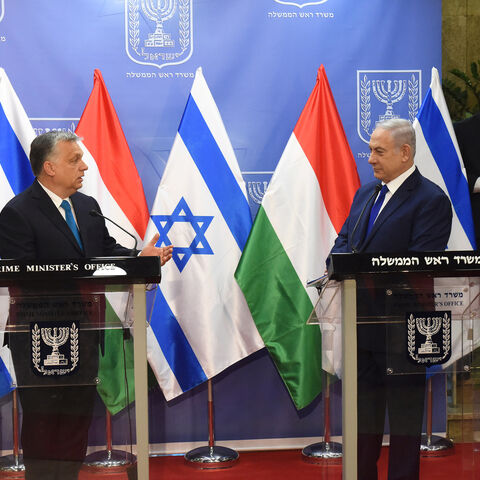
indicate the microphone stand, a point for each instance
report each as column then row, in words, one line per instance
column 378, row 187
column 133, row 252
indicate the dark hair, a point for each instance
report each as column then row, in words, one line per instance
column 43, row 145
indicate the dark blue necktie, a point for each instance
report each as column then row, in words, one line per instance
column 71, row 221
column 376, row 208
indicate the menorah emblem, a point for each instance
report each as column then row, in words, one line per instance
column 159, row 11
column 256, row 192
column 389, row 95
column 55, row 340
column 159, row 32
column 429, row 326
column 379, row 92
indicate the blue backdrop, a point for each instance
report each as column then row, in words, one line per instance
column 260, row 59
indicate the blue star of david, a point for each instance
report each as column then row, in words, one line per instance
column 199, row 223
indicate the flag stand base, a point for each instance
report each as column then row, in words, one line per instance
column 433, row 445
column 113, row 460
column 11, row 466
column 211, row 457
column 323, row 452
column 436, row 446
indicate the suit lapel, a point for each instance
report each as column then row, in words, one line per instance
column 51, row 212
column 362, row 226
column 398, row 198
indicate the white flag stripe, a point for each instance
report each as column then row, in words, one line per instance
column 6, row 190
column 160, row 367
column 439, row 98
column 302, row 202
column 16, row 115
column 427, row 166
column 94, row 186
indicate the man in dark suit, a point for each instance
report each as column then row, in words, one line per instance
column 51, row 220
column 468, row 136
column 408, row 213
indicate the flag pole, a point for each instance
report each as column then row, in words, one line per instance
column 326, row 451
column 113, row 460
column 433, row 445
column 211, row 456
column 12, row 465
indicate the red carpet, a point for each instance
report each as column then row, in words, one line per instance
column 288, row 465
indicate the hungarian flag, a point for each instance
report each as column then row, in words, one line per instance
column 113, row 180
column 304, row 208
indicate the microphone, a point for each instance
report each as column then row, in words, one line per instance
column 94, row 213
column 378, row 187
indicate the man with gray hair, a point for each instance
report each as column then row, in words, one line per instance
column 401, row 211
column 52, row 220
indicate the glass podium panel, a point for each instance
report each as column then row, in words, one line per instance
column 416, row 366
column 73, row 357
column 67, row 358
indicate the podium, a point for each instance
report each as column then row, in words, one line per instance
column 57, row 317
column 408, row 318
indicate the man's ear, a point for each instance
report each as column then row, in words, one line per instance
column 406, row 152
column 49, row 168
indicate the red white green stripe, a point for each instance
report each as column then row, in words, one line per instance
column 304, row 207
column 112, row 179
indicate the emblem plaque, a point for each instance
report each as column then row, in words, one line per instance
column 429, row 337
column 159, row 32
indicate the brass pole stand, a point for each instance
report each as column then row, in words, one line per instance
column 211, row 456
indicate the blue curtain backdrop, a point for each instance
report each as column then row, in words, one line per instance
column 260, row 59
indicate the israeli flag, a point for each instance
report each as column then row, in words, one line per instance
column 438, row 158
column 200, row 322
column 16, row 135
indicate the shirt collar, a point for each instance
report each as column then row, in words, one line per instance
column 53, row 196
column 396, row 183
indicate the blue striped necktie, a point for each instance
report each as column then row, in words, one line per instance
column 376, row 208
column 71, row 221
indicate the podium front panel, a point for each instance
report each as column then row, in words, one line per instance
column 70, row 363
column 410, row 356
column 416, row 371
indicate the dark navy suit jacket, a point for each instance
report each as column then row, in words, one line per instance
column 418, row 217
column 31, row 227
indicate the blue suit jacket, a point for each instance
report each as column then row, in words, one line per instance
column 418, row 217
